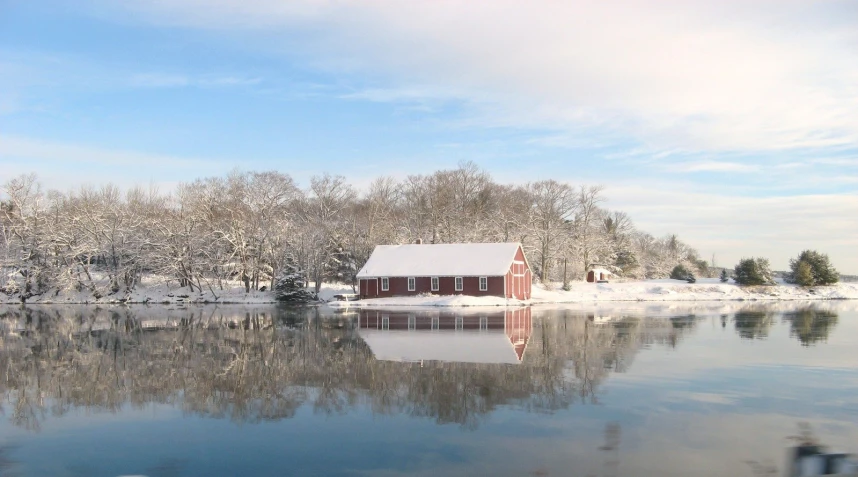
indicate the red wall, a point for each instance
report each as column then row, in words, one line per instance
column 446, row 286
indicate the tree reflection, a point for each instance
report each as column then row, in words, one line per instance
column 810, row 325
column 263, row 364
column 753, row 323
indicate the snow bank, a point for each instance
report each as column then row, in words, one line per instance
column 706, row 289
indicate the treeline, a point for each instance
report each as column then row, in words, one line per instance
column 254, row 226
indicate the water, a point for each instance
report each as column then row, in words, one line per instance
column 625, row 390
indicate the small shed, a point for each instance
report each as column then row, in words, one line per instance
column 597, row 273
column 476, row 269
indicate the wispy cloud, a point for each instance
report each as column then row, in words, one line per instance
column 165, row 80
column 767, row 75
column 712, row 166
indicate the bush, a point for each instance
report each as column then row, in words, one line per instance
column 812, row 268
column 691, row 278
column 753, row 271
column 724, row 276
column 679, row 272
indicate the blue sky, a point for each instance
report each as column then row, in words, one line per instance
column 730, row 123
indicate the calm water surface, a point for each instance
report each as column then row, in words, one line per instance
column 631, row 390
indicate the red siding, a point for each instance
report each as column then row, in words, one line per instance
column 519, row 278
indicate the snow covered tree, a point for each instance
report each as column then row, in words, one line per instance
column 753, row 271
column 291, row 286
column 591, row 239
column 323, row 226
column 812, row 268
column 679, row 272
column 553, row 203
column 24, row 220
column 724, row 276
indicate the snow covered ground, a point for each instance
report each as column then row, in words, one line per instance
column 156, row 291
column 706, row 289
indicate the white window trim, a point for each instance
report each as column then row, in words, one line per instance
column 385, row 284
column 484, row 280
column 412, row 284
column 436, row 323
column 460, row 323
column 435, row 284
column 459, row 283
column 412, row 322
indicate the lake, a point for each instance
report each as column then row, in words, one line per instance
column 626, row 389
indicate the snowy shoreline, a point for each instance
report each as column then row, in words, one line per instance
column 635, row 291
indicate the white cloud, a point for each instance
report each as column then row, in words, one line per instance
column 696, row 75
column 165, row 80
column 713, row 166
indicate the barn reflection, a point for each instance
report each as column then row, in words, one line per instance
column 495, row 336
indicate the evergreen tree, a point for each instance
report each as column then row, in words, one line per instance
column 753, row 271
column 812, row 268
column 291, row 286
column 724, row 276
column 679, row 272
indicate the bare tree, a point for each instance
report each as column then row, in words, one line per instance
column 553, row 204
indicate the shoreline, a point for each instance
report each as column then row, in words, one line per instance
column 648, row 291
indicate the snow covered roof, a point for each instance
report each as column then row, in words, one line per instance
column 443, row 345
column 448, row 259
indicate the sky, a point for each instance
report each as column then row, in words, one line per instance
column 730, row 123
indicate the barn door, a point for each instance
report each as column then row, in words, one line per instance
column 369, row 287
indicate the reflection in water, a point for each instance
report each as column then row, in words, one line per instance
column 809, row 325
column 492, row 337
column 264, row 364
column 753, row 322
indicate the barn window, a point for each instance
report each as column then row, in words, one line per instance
column 385, row 284
column 435, row 286
column 460, row 322
column 484, row 322
column 484, row 283
column 385, row 322
column 412, row 284
column 412, row 322
column 459, row 285
column 436, row 322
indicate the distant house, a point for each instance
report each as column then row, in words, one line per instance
column 476, row 269
column 597, row 273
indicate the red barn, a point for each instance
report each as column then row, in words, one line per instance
column 476, row 269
